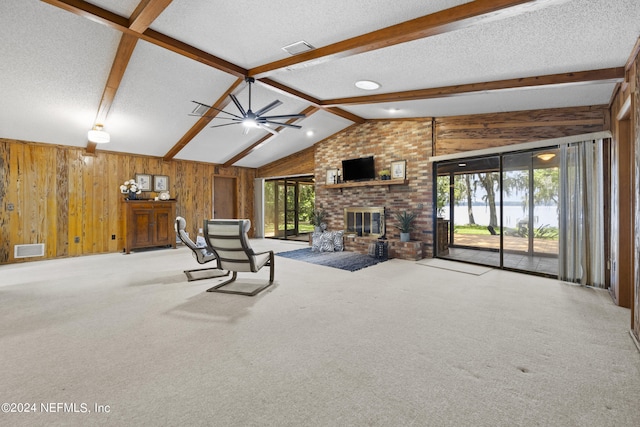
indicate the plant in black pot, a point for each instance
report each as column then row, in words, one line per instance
column 317, row 220
column 405, row 224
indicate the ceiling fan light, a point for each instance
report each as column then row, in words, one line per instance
column 98, row 136
column 249, row 123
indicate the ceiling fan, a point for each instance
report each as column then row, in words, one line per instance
column 248, row 118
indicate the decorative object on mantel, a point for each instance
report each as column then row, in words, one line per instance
column 332, row 176
column 131, row 188
column 405, row 224
column 384, row 174
column 399, row 169
column 164, row 195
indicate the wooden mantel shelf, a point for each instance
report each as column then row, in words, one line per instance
column 369, row 183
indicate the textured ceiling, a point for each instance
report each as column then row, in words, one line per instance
column 55, row 65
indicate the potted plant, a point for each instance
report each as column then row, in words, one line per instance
column 405, row 224
column 317, row 220
column 384, row 174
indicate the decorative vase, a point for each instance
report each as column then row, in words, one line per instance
column 132, row 195
column 405, row 237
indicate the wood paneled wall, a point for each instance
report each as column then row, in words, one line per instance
column 634, row 90
column 466, row 133
column 58, row 193
column 300, row 163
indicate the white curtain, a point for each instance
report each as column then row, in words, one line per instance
column 581, row 255
column 258, row 207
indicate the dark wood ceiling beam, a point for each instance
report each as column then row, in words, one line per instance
column 145, row 13
column 463, row 16
column 244, row 153
column 120, row 23
column 123, row 55
column 581, row 77
column 314, row 101
column 203, row 121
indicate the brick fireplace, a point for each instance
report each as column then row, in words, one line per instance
column 387, row 141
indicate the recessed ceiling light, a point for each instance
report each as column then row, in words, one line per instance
column 367, row 85
column 462, row 165
column 310, row 133
column 393, row 110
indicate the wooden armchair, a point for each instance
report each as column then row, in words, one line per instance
column 227, row 238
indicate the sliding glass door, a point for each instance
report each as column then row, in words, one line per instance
column 288, row 207
column 468, row 194
column 530, row 211
column 501, row 211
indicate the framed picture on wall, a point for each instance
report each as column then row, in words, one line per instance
column 332, row 176
column 160, row 183
column 144, row 181
column 399, row 169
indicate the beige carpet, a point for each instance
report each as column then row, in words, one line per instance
column 460, row 267
column 395, row 344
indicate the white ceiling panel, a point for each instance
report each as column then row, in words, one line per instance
column 55, row 64
column 572, row 36
column 250, row 33
column 120, row 7
column 150, row 112
column 315, row 128
column 491, row 102
column 51, row 78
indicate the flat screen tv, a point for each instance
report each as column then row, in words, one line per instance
column 361, row 169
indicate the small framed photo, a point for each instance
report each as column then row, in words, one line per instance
column 160, row 183
column 399, row 169
column 144, row 181
column 332, row 176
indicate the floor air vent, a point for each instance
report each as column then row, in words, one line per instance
column 26, row 251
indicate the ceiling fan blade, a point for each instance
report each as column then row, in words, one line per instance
column 285, row 116
column 268, row 129
column 235, row 101
column 193, row 113
column 269, row 107
column 282, row 124
column 226, row 124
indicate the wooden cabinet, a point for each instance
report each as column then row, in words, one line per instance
column 149, row 223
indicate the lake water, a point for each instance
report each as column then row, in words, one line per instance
column 543, row 215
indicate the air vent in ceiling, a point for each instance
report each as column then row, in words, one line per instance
column 200, row 110
column 26, row 251
column 298, row 47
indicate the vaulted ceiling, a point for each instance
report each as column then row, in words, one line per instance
column 136, row 65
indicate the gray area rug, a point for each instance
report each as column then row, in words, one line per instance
column 350, row 261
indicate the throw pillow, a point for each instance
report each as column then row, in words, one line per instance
column 315, row 241
column 326, row 242
column 338, row 245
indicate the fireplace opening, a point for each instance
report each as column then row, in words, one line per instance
column 364, row 221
